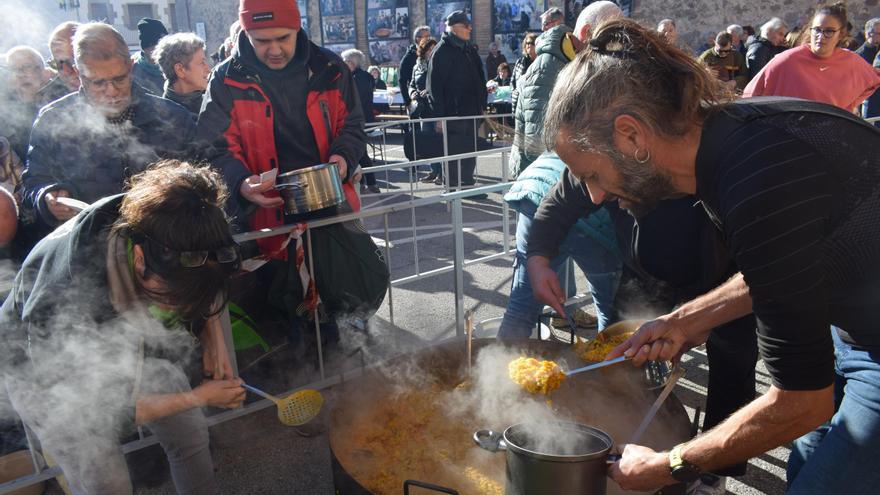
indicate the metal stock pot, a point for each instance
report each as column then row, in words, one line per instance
column 552, row 459
column 310, row 189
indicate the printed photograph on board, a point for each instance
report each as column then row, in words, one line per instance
column 517, row 16
column 436, row 12
column 388, row 52
column 388, row 21
column 339, row 29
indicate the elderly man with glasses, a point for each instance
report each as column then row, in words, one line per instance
column 726, row 63
column 66, row 78
column 87, row 144
column 27, row 76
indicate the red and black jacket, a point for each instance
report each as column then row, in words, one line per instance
column 236, row 127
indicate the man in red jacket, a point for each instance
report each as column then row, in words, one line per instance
column 279, row 102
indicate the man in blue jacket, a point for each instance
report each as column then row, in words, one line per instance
column 86, row 145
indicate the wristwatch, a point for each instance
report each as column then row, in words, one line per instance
column 680, row 469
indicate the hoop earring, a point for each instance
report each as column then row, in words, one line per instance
column 640, row 160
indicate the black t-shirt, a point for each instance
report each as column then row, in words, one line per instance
column 795, row 187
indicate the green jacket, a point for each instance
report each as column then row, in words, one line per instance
column 729, row 68
column 534, row 93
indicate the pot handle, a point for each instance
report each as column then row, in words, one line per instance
column 490, row 440
column 292, row 185
column 428, row 486
column 612, row 458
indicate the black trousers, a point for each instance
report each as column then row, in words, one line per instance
column 732, row 350
column 462, row 136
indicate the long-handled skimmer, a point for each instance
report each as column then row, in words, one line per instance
column 596, row 366
column 297, row 408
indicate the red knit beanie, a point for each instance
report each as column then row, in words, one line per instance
column 261, row 14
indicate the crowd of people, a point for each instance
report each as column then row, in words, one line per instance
column 618, row 132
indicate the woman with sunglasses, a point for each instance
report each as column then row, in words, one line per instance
column 105, row 325
column 822, row 70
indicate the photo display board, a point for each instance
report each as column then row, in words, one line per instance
column 436, row 12
column 338, row 31
column 388, row 30
column 303, row 6
column 511, row 20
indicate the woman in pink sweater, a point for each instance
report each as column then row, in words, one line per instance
column 820, row 71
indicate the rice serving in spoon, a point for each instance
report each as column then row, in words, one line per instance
column 536, row 376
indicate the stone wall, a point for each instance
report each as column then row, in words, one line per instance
column 697, row 20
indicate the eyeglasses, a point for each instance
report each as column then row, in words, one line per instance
column 26, row 69
column 59, row 64
column 724, row 51
column 827, row 33
column 118, row 82
column 194, row 259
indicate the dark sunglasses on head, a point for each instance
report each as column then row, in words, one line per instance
column 59, row 64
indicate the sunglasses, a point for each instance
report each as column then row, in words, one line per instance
column 59, row 64
column 724, row 51
column 192, row 259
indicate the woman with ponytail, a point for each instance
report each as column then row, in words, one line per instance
column 794, row 186
column 821, row 70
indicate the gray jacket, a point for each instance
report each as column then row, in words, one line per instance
column 534, row 90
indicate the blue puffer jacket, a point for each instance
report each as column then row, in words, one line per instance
column 74, row 148
column 534, row 89
column 536, row 181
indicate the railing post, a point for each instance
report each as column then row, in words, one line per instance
column 388, row 263
column 315, row 312
column 458, row 237
column 505, row 209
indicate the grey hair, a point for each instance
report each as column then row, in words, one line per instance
column 417, row 33
column 596, row 13
column 28, row 51
column 553, row 14
column 63, row 33
column 735, row 29
column 374, row 67
column 354, row 55
column 234, row 30
column 665, row 22
column 98, row 41
column 174, row 49
column 773, row 24
column 869, row 26
column 650, row 80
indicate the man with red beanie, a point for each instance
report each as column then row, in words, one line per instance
column 280, row 102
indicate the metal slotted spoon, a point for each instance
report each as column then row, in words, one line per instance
column 297, row 408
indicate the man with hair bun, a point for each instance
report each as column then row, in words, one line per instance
column 794, row 186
